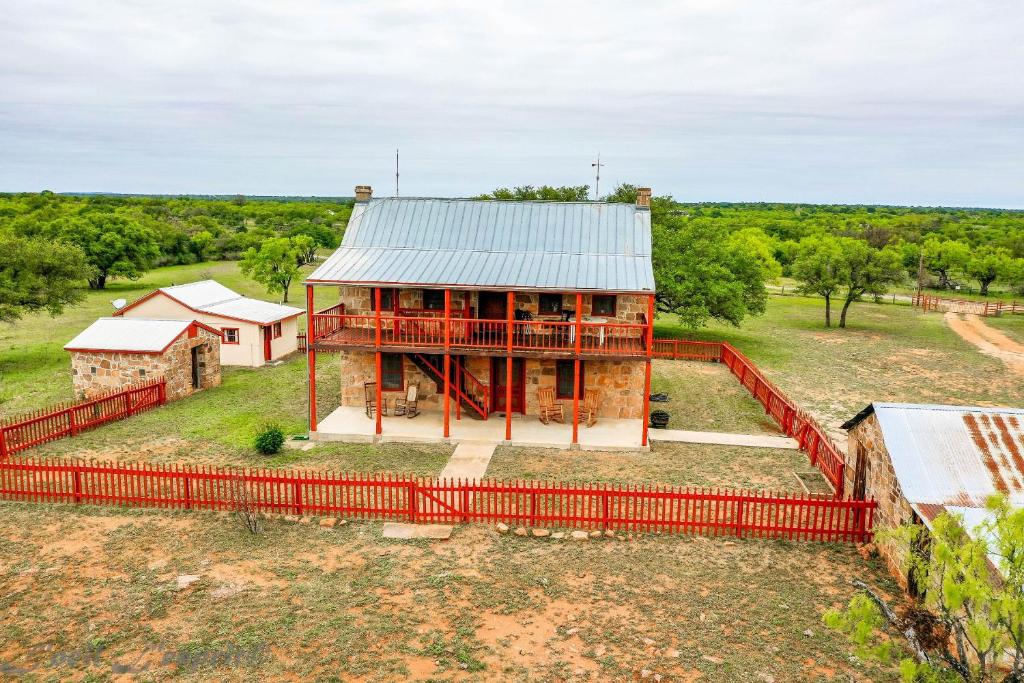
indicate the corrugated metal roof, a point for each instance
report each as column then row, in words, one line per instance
column 145, row 335
column 497, row 244
column 209, row 296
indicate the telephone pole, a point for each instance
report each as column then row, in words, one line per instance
column 597, row 180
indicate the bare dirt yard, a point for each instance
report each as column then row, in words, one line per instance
column 990, row 341
column 96, row 594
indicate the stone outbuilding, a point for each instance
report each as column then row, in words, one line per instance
column 115, row 353
column 919, row 461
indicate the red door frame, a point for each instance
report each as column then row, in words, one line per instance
column 487, row 299
column 498, row 390
column 267, row 356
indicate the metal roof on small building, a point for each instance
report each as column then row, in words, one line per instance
column 494, row 244
column 128, row 335
column 209, row 296
column 952, row 456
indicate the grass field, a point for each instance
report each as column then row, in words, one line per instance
column 87, row 589
column 1010, row 325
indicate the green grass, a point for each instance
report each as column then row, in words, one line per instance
column 1010, row 325
column 706, row 397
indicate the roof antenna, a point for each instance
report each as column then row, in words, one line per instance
column 396, row 171
column 597, row 181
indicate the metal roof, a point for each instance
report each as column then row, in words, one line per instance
column 495, row 244
column 141, row 335
column 209, row 296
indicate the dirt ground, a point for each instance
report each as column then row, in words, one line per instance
column 989, row 341
column 94, row 594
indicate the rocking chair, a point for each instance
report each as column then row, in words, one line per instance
column 549, row 410
column 370, row 394
column 408, row 406
column 591, row 403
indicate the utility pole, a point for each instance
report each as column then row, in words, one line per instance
column 597, row 180
column 920, row 275
column 396, row 171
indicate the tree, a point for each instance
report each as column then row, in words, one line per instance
column 756, row 242
column 305, row 249
column 820, row 266
column 274, row 264
column 945, row 258
column 114, row 246
column 972, row 612
column 987, row 264
column 575, row 193
column 37, row 275
column 867, row 271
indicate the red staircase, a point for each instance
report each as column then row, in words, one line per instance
column 465, row 388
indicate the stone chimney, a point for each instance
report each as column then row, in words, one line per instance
column 363, row 193
column 643, row 197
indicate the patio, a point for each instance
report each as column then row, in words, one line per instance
column 351, row 424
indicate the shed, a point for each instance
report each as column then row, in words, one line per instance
column 919, row 461
column 254, row 331
column 115, row 353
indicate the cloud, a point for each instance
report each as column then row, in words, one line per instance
column 911, row 102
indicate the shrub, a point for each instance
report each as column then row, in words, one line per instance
column 269, row 439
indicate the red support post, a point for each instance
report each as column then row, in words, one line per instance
column 311, row 357
column 576, row 369
column 458, row 404
column 376, row 307
column 379, row 410
column 647, row 371
column 447, row 361
column 509, row 306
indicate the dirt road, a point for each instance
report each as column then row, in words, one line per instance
column 989, row 341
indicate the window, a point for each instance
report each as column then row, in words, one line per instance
column 551, row 303
column 277, row 330
column 603, row 304
column 142, row 372
column 388, row 300
column 230, row 335
column 564, row 378
column 391, row 378
column 433, row 299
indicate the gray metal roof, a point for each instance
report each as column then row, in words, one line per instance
column 494, row 244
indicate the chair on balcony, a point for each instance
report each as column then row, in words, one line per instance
column 549, row 409
column 408, row 405
column 591, row 404
column 370, row 394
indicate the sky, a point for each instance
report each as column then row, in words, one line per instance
column 913, row 102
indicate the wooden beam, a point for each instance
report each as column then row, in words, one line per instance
column 575, row 401
column 447, row 361
column 376, row 306
column 647, row 402
column 311, row 357
column 380, row 372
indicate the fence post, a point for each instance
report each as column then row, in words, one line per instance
column 465, row 502
column 71, row 421
column 188, row 493
column 3, row 443
column 739, row 518
column 162, row 391
column 78, row 486
column 604, row 509
column 412, row 501
column 297, row 497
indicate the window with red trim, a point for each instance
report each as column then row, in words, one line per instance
column 550, row 303
column 230, row 335
column 603, row 304
column 388, row 300
column 277, row 330
column 564, row 378
column 391, row 372
column 433, row 299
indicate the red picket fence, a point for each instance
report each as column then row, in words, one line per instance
column 56, row 422
column 927, row 302
column 630, row 508
column 794, row 422
column 301, row 341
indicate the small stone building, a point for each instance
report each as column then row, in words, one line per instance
column 919, row 461
column 114, row 353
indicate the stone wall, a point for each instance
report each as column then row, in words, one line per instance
column 96, row 372
column 359, row 367
column 880, row 484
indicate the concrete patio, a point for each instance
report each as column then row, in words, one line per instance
column 351, row 424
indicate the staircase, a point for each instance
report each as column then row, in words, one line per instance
column 470, row 392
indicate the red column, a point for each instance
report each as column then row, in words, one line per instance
column 510, row 302
column 378, row 397
column 576, row 371
column 647, row 369
column 458, row 404
column 376, row 306
column 447, row 360
column 311, row 357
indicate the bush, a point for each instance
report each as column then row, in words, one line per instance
column 269, row 439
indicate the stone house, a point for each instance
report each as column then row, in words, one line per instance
column 494, row 300
column 115, row 353
column 919, row 461
column 254, row 332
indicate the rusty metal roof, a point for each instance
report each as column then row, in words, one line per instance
column 495, row 244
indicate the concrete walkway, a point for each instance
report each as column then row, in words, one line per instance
column 723, row 439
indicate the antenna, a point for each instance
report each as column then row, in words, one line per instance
column 597, row 181
column 396, row 171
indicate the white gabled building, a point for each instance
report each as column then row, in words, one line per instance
column 254, row 331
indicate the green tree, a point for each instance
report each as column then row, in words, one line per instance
column 972, row 610
column 987, row 264
column 37, row 275
column 274, row 264
column 945, row 258
column 305, row 249
column 867, row 270
column 576, row 193
column 821, row 268
column 114, row 246
column 756, row 242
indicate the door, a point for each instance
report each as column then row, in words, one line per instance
column 266, row 343
column 197, row 378
column 493, row 305
column 499, row 382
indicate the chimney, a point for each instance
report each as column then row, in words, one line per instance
column 363, row 193
column 643, row 197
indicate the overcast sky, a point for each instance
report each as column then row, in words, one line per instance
column 849, row 101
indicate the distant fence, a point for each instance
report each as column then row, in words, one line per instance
column 927, row 303
column 31, row 429
column 628, row 508
column 794, row 421
column 301, row 339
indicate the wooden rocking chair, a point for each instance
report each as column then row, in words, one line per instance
column 549, row 410
column 408, row 406
column 591, row 403
column 370, row 394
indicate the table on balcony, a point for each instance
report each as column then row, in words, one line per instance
column 590, row 319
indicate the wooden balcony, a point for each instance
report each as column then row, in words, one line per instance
column 335, row 329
